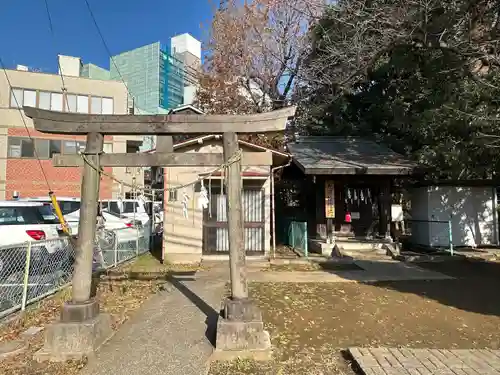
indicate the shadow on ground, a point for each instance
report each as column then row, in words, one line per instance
column 177, row 280
column 474, row 287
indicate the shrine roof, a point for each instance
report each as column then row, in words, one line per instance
column 347, row 155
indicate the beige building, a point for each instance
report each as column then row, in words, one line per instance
column 192, row 231
column 23, row 162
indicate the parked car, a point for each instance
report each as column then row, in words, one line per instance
column 124, row 229
column 68, row 205
column 26, row 221
column 22, row 222
column 70, row 208
column 132, row 208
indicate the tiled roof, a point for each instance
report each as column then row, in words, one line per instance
column 347, row 155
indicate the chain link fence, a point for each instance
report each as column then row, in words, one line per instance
column 33, row 270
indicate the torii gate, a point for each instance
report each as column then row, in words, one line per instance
column 81, row 328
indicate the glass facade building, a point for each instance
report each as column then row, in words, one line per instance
column 154, row 78
column 171, row 80
column 94, row 72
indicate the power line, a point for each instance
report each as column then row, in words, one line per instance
column 183, row 69
column 106, row 46
column 51, row 27
column 2, row 65
column 60, row 72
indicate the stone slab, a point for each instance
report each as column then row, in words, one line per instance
column 405, row 361
column 79, row 312
column 242, row 310
column 31, row 332
column 74, row 340
column 241, row 336
column 231, row 355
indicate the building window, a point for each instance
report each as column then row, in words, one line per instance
column 73, row 147
column 16, row 98
column 70, row 103
column 29, row 98
column 96, row 106
column 108, row 148
column 133, row 147
column 82, row 104
column 20, row 148
column 46, row 148
column 102, row 106
column 44, row 100
column 172, row 195
column 56, row 101
column 107, row 106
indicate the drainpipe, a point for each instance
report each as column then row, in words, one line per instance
column 273, row 213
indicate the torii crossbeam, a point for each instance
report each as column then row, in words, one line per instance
column 237, row 330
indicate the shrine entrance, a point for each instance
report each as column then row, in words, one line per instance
column 358, row 207
column 81, row 328
column 353, row 179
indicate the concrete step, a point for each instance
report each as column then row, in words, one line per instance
column 359, row 244
column 367, row 255
column 349, row 244
column 363, row 250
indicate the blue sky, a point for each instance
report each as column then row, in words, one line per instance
column 25, row 36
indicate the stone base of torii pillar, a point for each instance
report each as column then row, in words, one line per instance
column 240, row 332
column 80, row 331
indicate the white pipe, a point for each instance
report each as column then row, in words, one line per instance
column 273, row 214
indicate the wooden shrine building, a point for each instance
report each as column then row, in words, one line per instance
column 346, row 185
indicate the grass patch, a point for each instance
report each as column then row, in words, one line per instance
column 148, row 267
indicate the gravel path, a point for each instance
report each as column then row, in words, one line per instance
column 170, row 335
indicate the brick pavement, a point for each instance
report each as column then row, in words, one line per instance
column 405, row 361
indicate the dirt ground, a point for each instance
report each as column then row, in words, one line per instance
column 310, row 324
column 120, row 292
column 313, row 266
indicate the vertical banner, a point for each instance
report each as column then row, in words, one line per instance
column 329, row 199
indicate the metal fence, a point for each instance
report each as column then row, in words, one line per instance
column 33, row 270
column 432, row 233
column 294, row 234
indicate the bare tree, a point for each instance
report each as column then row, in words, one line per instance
column 256, row 50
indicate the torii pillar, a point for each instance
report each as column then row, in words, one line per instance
column 82, row 328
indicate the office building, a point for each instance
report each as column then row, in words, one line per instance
column 19, row 168
column 154, row 77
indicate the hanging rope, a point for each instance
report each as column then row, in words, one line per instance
column 209, row 197
column 233, row 159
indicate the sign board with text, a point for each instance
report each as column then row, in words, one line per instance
column 329, row 199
